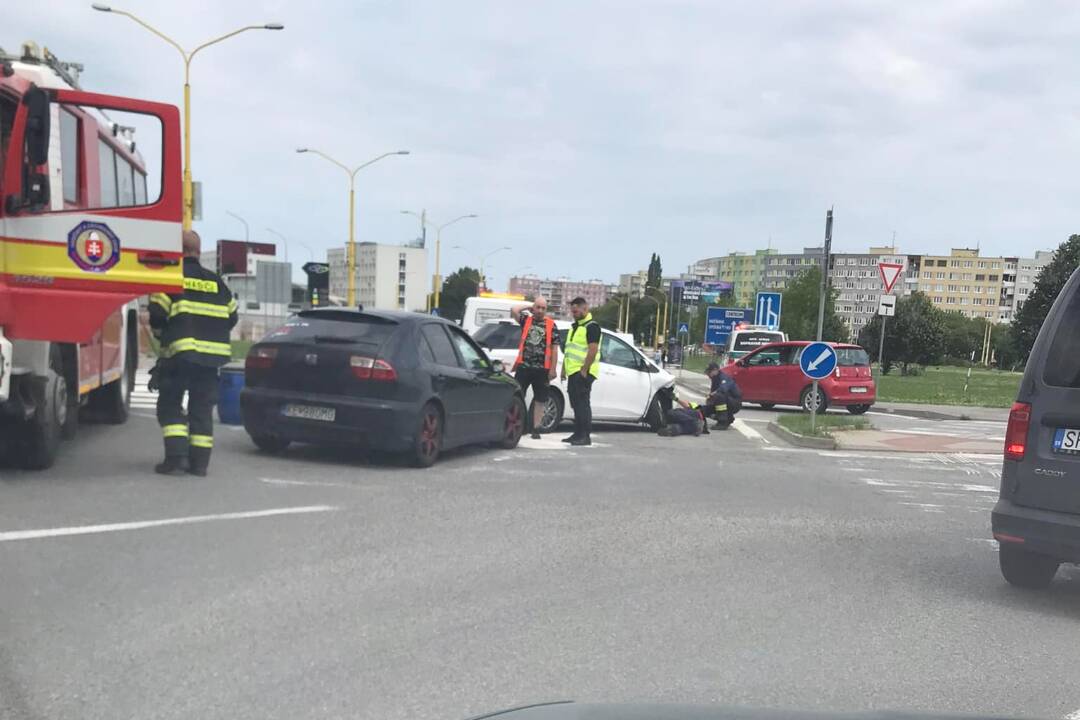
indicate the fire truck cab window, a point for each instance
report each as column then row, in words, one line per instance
column 69, row 155
column 107, row 165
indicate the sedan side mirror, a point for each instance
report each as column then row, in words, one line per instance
column 497, row 366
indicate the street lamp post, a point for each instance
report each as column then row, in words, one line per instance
column 436, row 280
column 351, row 172
column 483, row 259
column 247, row 234
column 188, row 57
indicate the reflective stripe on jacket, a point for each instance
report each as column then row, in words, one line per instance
column 195, row 325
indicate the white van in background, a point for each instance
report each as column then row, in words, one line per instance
column 483, row 309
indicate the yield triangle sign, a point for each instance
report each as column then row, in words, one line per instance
column 890, row 273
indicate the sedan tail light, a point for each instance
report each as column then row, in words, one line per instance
column 367, row 368
column 1017, row 431
column 260, row 358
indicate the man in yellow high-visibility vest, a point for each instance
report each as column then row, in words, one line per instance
column 581, row 367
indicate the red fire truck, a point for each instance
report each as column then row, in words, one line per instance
column 89, row 221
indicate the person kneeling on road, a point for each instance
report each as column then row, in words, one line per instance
column 725, row 397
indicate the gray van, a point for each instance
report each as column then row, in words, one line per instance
column 1036, row 520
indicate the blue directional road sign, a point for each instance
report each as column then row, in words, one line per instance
column 818, row 360
column 768, row 309
column 684, row 328
column 719, row 321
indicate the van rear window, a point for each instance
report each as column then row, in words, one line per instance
column 1063, row 361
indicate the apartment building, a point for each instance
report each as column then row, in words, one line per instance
column 782, row 268
column 560, row 291
column 633, row 284
column 388, row 277
column 745, row 271
column 979, row 287
column 857, row 280
column 1027, row 273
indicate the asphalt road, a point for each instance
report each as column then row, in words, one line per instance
column 716, row 569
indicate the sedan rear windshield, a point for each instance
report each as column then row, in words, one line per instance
column 330, row 326
column 752, row 340
column 852, row 357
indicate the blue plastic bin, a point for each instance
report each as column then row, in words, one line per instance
column 230, row 383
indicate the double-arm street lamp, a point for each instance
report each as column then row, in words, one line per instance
column 436, row 280
column 188, row 56
column 351, row 172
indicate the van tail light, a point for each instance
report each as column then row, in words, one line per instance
column 1017, row 432
column 368, row 368
column 260, row 358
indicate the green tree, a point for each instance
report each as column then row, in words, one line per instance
column 1006, row 355
column 655, row 274
column 963, row 336
column 914, row 336
column 1048, row 284
column 458, row 287
column 800, row 310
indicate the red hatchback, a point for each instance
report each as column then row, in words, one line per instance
column 771, row 376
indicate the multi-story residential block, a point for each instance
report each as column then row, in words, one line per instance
column 560, row 291
column 388, row 277
column 979, row 287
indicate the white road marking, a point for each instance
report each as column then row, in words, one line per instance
column 315, row 483
column 13, row 535
column 1074, row 715
column 748, row 431
column 926, row 507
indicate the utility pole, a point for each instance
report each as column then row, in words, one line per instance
column 821, row 307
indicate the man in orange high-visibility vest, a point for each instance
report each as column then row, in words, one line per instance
column 538, row 356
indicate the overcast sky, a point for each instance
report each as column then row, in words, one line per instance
column 588, row 134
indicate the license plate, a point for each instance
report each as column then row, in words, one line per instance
column 309, row 412
column 859, row 389
column 1067, row 440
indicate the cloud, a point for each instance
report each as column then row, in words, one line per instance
column 589, row 134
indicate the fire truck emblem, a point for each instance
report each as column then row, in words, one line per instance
column 93, row 247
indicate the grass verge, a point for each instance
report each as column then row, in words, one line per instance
column 824, row 425
column 945, row 386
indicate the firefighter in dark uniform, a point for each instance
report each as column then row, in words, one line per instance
column 193, row 329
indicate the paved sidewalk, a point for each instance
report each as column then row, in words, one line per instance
column 879, row 441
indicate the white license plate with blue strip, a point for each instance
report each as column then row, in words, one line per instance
column 1067, row 441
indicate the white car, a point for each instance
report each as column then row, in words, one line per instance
column 630, row 388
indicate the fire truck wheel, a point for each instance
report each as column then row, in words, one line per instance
column 41, row 434
column 111, row 403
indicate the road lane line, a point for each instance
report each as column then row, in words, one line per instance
column 315, row 483
column 747, row 431
column 13, row 535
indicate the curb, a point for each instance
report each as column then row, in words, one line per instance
column 802, row 440
column 922, row 414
